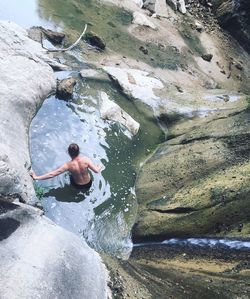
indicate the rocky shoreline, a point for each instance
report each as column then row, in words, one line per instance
column 39, row 259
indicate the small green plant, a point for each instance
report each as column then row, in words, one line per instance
column 40, row 191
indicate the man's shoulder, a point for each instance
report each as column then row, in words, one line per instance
column 84, row 158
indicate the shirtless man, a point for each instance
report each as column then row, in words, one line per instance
column 78, row 168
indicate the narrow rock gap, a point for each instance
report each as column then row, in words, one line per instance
column 180, row 210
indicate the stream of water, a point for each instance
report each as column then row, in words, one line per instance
column 201, row 242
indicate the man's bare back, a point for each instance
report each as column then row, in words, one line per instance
column 78, row 167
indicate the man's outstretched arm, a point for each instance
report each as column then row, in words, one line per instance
column 50, row 174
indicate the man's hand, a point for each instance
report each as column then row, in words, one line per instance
column 33, row 175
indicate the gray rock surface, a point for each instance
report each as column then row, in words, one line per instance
column 36, row 33
column 111, row 111
column 26, row 80
column 42, row 260
column 136, row 84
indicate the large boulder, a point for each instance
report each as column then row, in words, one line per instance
column 111, row 111
column 26, row 80
column 42, row 260
column 197, row 183
column 136, row 84
column 65, row 88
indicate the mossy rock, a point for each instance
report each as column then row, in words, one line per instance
column 198, row 183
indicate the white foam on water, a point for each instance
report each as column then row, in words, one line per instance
column 201, row 242
column 206, row 242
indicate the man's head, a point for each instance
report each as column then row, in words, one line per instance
column 73, row 150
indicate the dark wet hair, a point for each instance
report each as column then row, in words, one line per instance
column 73, row 150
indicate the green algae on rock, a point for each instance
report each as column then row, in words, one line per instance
column 197, row 183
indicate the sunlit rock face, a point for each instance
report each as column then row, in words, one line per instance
column 41, row 260
column 25, row 80
column 197, row 183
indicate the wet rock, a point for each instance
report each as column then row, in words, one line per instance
column 65, row 88
column 95, row 40
column 142, row 20
column 54, row 37
column 41, row 260
column 111, row 111
column 174, row 271
column 26, row 80
column 207, row 57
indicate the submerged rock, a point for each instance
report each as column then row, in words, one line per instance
column 65, row 88
column 42, row 260
column 111, row 111
column 95, row 40
column 26, row 80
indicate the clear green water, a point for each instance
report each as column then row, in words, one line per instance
column 105, row 215
column 110, row 23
